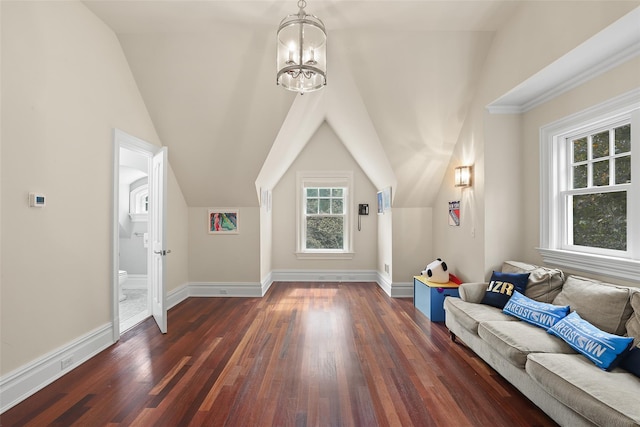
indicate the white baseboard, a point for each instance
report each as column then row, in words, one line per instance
column 402, row 290
column 324, row 276
column 266, row 283
column 177, row 295
column 384, row 281
column 25, row 381
column 225, row 289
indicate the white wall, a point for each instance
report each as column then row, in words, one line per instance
column 323, row 152
column 65, row 85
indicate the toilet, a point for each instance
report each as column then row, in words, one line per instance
column 122, row 277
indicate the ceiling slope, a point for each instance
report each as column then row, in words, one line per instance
column 400, row 79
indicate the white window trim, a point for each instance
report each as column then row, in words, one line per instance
column 550, row 207
column 324, row 179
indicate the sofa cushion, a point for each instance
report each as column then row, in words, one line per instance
column 603, row 305
column 470, row 314
column 544, row 283
column 603, row 349
column 535, row 312
column 633, row 324
column 515, row 340
column 604, row 398
column 501, row 287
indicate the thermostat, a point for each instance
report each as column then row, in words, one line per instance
column 36, row 200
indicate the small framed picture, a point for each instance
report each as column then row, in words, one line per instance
column 454, row 213
column 380, row 203
column 223, row 221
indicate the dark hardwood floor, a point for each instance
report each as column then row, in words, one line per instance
column 307, row 354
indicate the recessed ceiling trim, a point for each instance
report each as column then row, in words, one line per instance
column 611, row 47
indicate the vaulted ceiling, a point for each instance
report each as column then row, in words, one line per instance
column 206, row 71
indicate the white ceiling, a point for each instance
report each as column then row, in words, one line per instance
column 206, row 71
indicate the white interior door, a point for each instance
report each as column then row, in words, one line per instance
column 157, row 201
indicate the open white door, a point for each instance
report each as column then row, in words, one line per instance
column 157, row 205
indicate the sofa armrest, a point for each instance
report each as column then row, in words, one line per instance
column 472, row 292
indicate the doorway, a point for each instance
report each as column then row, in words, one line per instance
column 133, row 238
column 138, row 233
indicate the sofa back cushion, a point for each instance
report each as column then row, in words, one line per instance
column 633, row 324
column 544, row 283
column 604, row 305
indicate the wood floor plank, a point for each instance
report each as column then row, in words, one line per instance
column 306, row 354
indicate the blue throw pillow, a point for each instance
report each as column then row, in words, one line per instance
column 602, row 348
column 631, row 362
column 501, row 287
column 534, row 312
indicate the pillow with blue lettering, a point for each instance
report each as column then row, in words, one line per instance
column 631, row 362
column 602, row 348
column 537, row 313
column 501, row 287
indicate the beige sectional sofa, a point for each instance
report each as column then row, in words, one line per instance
column 565, row 384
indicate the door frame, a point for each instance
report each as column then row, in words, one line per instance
column 121, row 140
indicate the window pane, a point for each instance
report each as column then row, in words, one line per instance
column 312, row 192
column 600, row 144
column 580, row 176
column 312, row 206
column 325, row 192
column 336, row 192
column 601, row 173
column 600, row 220
column 337, row 206
column 623, row 170
column 580, row 150
column 325, row 232
column 325, row 206
column 623, row 139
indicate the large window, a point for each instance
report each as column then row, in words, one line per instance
column 590, row 189
column 324, row 226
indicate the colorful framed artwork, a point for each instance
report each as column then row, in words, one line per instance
column 223, row 221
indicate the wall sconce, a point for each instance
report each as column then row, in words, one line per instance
column 462, row 176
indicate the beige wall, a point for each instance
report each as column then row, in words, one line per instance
column 224, row 258
column 500, row 212
column 266, row 241
column 385, row 243
column 177, row 220
column 65, row 85
column 412, row 242
column 323, row 152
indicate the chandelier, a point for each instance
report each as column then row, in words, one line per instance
column 302, row 52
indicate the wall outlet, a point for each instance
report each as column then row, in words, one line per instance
column 66, row 362
column 386, row 268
